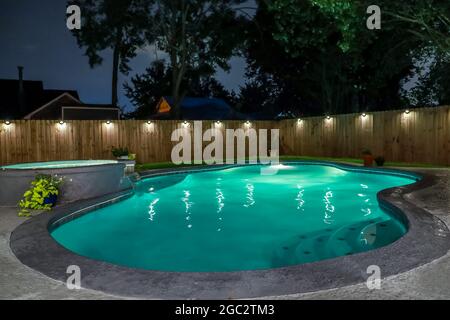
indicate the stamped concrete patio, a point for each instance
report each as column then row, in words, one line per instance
column 429, row 281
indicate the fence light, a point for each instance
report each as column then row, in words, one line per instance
column 328, row 117
column 149, row 122
column 247, row 123
column 7, row 122
column 363, row 115
column 61, row 122
column 108, row 122
column 407, row 111
column 299, row 120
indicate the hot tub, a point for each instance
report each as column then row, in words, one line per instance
column 83, row 179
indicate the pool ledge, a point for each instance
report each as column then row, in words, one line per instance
column 426, row 240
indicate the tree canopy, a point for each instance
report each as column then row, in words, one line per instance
column 304, row 56
column 116, row 25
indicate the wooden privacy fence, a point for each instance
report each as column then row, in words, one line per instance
column 45, row 140
column 423, row 135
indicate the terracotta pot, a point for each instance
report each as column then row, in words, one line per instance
column 368, row 160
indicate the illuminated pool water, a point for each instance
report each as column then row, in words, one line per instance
column 237, row 219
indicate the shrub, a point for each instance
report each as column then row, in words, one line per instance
column 42, row 188
column 119, row 152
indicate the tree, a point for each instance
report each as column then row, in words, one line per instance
column 335, row 62
column 427, row 20
column 198, row 36
column 146, row 89
column 112, row 24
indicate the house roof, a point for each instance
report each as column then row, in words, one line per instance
column 9, row 102
column 34, row 94
column 63, row 98
column 50, row 94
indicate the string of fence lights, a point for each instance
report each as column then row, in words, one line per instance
column 218, row 122
column 363, row 115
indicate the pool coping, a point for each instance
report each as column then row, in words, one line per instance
column 426, row 240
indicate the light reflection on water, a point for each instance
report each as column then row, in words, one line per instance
column 300, row 198
column 250, row 195
column 329, row 207
column 188, row 205
column 151, row 209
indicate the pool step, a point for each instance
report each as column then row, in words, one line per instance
column 302, row 248
column 363, row 237
column 330, row 243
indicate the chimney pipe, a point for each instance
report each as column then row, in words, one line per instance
column 21, row 92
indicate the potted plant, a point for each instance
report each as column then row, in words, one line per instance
column 367, row 157
column 42, row 195
column 120, row 153
column 380, row 161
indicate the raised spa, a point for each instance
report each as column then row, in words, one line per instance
column 239, row 219
column 82, row 179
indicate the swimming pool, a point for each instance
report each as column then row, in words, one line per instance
column 237, row 219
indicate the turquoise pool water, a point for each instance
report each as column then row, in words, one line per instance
column 237, row 219
column 58, row 164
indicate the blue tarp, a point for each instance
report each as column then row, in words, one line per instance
column 204, row 108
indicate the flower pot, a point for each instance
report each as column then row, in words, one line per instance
column 379, row 161
column 51, row 200
column 122, row 158
column 368, row 160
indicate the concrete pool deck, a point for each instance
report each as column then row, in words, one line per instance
column 426, row 282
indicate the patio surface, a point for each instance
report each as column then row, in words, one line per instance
column 429, row 281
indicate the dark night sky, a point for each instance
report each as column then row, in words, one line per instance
column 34, row 34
